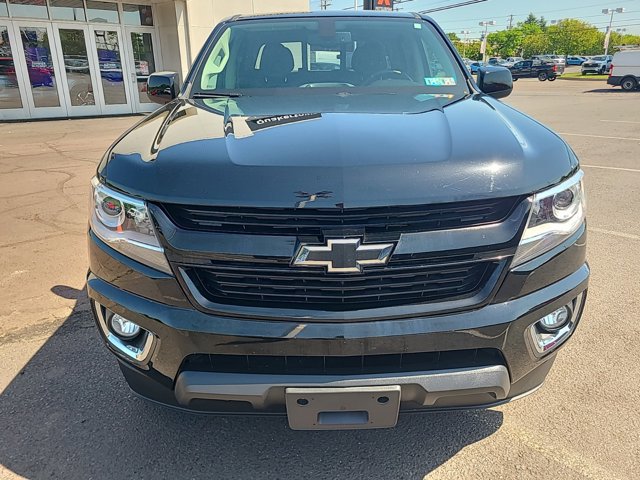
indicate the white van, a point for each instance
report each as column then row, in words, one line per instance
column 625, row 70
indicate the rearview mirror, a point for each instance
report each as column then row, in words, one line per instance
column 162, row 87
column 495, row 81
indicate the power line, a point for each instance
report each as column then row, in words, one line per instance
column 582, row 7
column 455, row 5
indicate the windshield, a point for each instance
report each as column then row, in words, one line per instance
column 329, row 56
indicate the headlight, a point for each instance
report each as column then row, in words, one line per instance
column 555, row 215
column 124, row 224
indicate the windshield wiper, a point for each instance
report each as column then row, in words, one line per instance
column 217, row 95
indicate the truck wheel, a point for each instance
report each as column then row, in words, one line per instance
column 584, row 73
column 542, row 76
column 628, row 84
column 551, row 79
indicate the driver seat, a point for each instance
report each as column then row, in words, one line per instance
column 369, row 58
column 276, row 64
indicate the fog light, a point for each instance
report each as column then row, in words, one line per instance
column 124, row 328
column 556, row 319
column 552, row 330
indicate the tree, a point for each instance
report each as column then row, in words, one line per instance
column 453, row 37
column 506, row 43
column 573, row 37
column 533, row 20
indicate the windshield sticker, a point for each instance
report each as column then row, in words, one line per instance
column 439, row 81
column 260, row 123
column 417, row 26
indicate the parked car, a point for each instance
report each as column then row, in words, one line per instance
column 557, row 59
column 495, row 61
column 598, row 64
column 625, row 70
column 258, row 247
column 541, row 71
column 510, row 61
column 573, row 60
column 475, row 66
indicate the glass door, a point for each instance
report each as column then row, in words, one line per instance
column 143, row 60
column 37, row 56
column 13, row 102
column 114, row 96
column 80, row 70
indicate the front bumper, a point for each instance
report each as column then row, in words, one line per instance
column 156, row 302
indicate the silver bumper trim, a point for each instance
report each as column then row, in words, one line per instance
column 263, row 391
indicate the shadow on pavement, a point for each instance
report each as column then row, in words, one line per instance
column 608, row 90
column 69, row 414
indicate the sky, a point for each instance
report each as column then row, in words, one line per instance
column 467, row 18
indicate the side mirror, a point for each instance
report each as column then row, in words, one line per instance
column 162, row 87
column 495, row 81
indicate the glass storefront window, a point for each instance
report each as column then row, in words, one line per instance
column 76, row 65
column 3, row 9
column 102, row 12
column 72, row 10
column 111, row 74
column 37, row 53
column 142, row 45
column 9, row 89
column 139, row 15
column 29, row 8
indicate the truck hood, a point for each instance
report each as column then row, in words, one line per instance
column 215, row 152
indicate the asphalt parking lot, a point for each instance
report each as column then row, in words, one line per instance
column 65, row 411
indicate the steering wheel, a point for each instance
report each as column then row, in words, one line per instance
column 386, row 73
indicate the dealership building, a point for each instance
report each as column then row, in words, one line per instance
column 66, row 58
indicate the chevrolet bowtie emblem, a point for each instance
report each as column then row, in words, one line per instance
column 343, row 255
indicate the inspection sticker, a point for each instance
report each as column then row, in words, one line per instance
column 439, row 81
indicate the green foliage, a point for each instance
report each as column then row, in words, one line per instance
column 453, row 37
column 507, row 43
column 535, row 37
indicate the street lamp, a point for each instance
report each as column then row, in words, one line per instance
column 485, row 24
column 464, row 42
column 610, row 11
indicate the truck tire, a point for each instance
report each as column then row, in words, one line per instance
column 542, row 76
column 628, row 84
column 551, row 79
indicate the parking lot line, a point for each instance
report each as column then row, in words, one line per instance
column 600, row 136
column 620, row 121
column 635, row 170
column 630, row 236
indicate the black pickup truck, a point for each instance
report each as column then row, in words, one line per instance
column 532, row 69
column 336, row 245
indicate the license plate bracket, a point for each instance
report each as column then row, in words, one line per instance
column 342, row 408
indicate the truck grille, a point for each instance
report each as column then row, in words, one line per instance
column 401, row 282
column 343, row 365
column 315, row 221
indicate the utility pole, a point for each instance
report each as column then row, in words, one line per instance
column 355, row 5
column 607, row 38
column 324, row 4
column 510, row 22
column 464, row 42
column 486, row 25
